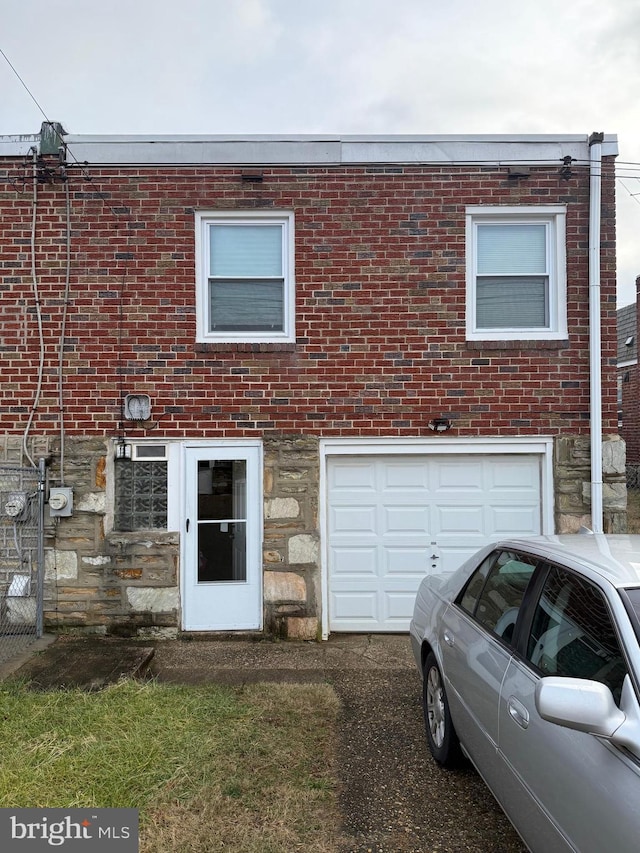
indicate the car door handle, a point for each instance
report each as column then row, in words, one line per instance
column 448, row 638
column 518, row 712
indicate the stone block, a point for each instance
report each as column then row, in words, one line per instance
column 614, row 456
column 302, row 628
column 92, row 502
column 152, row 599
column 96, row 561
column 273, row 557
column 281, row 508
column 614, row 497
column 284, row 586
column 573, row 523
column 303, row 549
column 60, row 565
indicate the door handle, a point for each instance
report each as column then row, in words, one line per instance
column 518, row 712
column 448, row 638
column 187, row 525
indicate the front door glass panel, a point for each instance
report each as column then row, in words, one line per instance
column 222, row 520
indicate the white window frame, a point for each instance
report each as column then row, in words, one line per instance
column 554, row 218
column 204, row 219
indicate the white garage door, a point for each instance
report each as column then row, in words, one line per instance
column 393, row 519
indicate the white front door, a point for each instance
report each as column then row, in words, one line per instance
column 222, row 566
column 394, row 519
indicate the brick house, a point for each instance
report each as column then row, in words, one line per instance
column 629, row 386
column 276, row 380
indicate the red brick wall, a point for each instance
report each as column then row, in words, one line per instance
column 380, row 278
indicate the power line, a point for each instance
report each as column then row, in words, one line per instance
column 27, row 89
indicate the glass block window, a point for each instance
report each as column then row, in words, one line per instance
column 140, row 495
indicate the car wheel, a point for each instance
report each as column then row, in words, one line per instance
column 441, row 736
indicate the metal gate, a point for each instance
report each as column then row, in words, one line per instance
column 21, row 557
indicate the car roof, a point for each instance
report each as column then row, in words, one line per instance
column 615, row 557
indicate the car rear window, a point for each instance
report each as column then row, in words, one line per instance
column 495, row 591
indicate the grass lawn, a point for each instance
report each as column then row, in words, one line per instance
column 210, row 768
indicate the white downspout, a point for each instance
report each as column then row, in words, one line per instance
column 595, row 331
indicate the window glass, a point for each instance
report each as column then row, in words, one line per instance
column 246, row 250
column 572, row 633
column 500, row 596
column 512, row 303
column 500, row 601
column 512, row 249
column 140, row 495
column 471, row 592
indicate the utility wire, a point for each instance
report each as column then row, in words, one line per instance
column 27, row 89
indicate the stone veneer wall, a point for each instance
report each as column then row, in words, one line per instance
column 572, row 477
column 129, row 582
column 291, row 537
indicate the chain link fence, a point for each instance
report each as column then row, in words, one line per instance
column 633, row 476
column 21, row 557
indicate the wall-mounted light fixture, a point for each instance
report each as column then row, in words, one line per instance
column 137, row 407
column 440, row 424
column 123, row 450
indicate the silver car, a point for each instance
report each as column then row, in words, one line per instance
column 530, row 661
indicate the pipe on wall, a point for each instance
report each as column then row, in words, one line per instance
column 595, row 329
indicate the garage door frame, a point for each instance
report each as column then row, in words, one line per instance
column 440, row 446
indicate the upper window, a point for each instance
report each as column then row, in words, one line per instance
column 245, row 282
column 516, row 275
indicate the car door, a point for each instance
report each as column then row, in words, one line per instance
column 569, row 790
column 476, row 643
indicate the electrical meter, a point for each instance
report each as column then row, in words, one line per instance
column 60, row 501
column 15, row 505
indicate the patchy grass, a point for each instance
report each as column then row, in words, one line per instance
column 209, row 768
column 633, row 510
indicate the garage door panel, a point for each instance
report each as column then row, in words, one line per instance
column 461, row 519
column 402, row 561
column 516, row 477
column 360, row 476
column 513, row 520
column 354, row 561
column 405, row 477
column 359, row 607
column 398, row 606
column 387, row 516
column 451, row 476
column 405, row 519
column 353, row 519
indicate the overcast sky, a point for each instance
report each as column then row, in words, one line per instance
column 334, row 66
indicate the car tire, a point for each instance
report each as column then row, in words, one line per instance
column 441, row 736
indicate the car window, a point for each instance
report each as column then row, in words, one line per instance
column 572, row 633
column 496, row 589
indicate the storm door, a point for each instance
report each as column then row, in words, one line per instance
column 221, row 578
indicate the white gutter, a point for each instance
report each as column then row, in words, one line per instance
column 595, row 332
